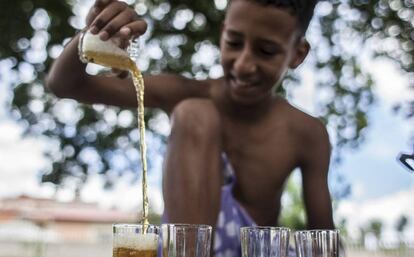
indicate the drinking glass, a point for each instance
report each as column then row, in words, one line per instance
column 264, row 241
column 112, row 54
column 186, row 240
column 317, row 243
column 135, row 240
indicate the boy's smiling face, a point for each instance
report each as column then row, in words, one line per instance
column 258, row 45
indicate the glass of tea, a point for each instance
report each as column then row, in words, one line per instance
column 135, row 240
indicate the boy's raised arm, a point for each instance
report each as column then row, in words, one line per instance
column 67, row 77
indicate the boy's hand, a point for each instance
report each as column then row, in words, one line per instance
column 110, row 18
column 115, row 20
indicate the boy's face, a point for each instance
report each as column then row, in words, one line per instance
column 258, row 45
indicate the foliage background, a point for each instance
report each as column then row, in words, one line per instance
column 98, row 139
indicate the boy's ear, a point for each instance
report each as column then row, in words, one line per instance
column 301, row 51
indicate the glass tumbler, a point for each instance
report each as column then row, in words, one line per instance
column 110, row 53
column 264, row 241
column 135, row 240
column 186, row 240
column 317, row 243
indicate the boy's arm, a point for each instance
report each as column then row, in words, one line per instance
column 314, row 167
column 67, row 77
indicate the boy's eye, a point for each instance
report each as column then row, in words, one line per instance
column 269, row 50
column 233, row 43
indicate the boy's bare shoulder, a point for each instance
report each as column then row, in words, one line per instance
column 310, row 138
column 306, row 126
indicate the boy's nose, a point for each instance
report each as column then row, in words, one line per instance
column 245, row 64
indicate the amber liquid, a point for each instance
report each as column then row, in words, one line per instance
column 127, row 252
column 126, row 63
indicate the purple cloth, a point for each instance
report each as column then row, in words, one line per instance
column 231, row 218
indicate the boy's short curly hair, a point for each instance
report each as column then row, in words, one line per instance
column 302, row 9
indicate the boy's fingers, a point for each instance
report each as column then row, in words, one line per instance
column 125, row 32
column 93, row 12
column 134, row 29
column 120, row 42
column 100, row 4
column 116, row 19
column 117, row 22
column 106, row 16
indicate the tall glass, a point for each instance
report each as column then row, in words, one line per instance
column 264, row 241
column 317, row 243
column 186, row 240
column 135, row 240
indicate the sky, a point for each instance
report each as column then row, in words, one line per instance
column 375, row 163
column 381, row 187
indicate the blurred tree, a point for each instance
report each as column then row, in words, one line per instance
column 362, row 234
column 400, row 226
column 375, row 227
column 92, row 139
column 293, row 213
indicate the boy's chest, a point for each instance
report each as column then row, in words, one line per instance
column 262, row 157
column 261, row 168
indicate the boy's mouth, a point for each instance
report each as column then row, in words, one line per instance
column 243, row 85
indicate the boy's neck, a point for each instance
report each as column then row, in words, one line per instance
column 245, row 113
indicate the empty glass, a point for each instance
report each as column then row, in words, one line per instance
column 264, row 241
column 317, row 243
column 186, row 240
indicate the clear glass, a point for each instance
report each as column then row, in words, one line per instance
column 111, row 53
column 264, row 241
column 135, row 240
column 186, row 240
column 317, row 243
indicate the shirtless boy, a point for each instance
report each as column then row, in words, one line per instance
column 235, row 123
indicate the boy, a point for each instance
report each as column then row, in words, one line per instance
column 234, row 124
